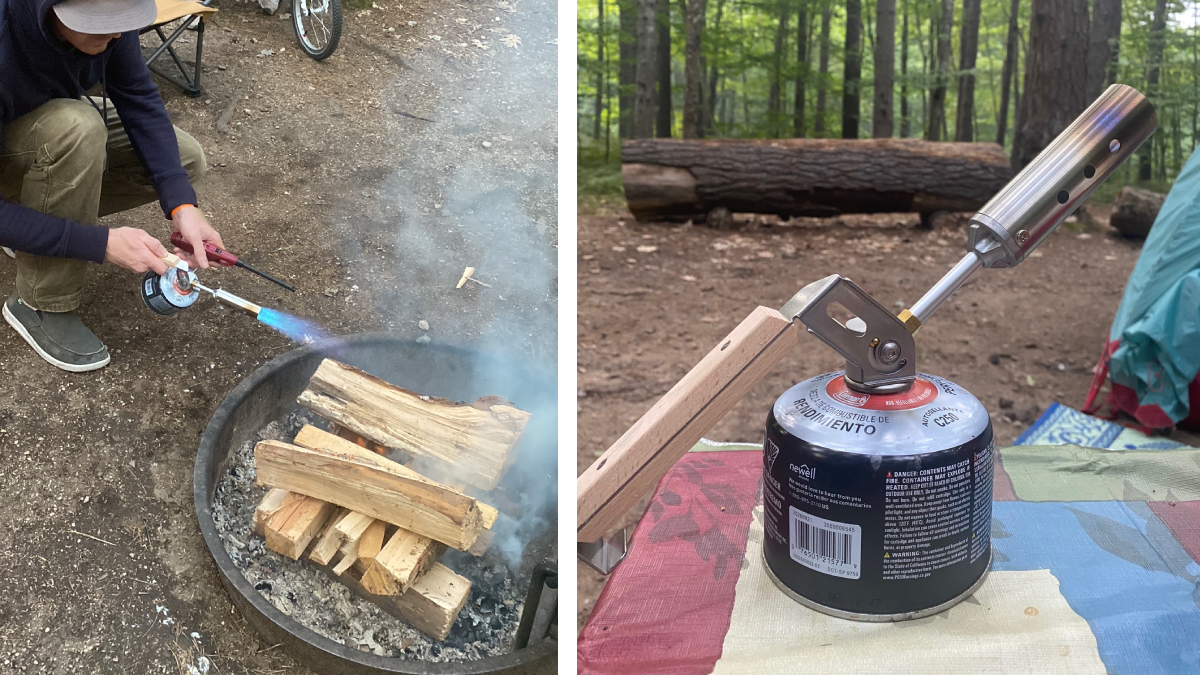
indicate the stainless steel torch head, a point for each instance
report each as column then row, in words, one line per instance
column 1059, row 179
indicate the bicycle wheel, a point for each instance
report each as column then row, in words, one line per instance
column 318, row 25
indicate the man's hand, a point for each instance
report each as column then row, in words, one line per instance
column 192, row 224
column 135, row 250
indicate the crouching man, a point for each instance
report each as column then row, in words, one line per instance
column 67, row 159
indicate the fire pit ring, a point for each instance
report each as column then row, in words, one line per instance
column 270, row 392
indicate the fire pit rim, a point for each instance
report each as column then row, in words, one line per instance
column 268, row 621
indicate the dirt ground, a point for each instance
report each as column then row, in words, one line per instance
column 1017, row 339
column 371, row 180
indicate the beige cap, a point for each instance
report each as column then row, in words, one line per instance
column 99, row 17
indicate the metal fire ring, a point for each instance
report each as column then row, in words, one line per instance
column 268, row 394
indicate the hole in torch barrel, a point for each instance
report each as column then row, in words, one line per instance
column 1114, row 145
column 1089, row 171
column 1063, row 196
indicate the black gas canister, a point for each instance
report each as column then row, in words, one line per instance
column 877, row 507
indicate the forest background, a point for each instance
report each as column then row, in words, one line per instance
column 1015, row 72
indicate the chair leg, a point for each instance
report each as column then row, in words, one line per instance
column 190, row 84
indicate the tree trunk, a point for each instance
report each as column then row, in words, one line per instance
column 680, row 179
column 1009, row 71
column 937, row 100
column 601, row 69
column 964, row 117
column 627, row 68
column 1055, row 74
column 822, row 71
column 852, row 71
column 801, row 69
column 905, row 114
column 713, row 72
column 693, row 77
column 1104, row 41
column 1134, row 211
column 643, row 121
column 885, row 68
column 1154, row 56
column 664, row 116
column 774, row 99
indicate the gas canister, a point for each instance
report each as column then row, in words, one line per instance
column 877, row 507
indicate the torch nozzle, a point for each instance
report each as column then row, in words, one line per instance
column 230, row 298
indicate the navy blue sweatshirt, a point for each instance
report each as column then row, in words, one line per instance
column 37, row 66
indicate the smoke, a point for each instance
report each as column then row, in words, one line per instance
column 474, row 184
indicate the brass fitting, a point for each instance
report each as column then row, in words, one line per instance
column 910, row 321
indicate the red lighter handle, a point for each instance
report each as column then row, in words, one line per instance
column 217, row 255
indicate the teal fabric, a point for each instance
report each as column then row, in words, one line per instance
column 1158, row 321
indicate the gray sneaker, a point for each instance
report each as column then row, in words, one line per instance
column 59, row 337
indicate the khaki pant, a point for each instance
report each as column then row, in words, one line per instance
column 54, row 162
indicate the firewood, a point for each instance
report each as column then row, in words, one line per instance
column 290, row 530
column 345, row 563
column 485, row 538
column 467, row 442
column 329, row 540
column 401, row 562
column 430, row 605
column 372, row 485
column 269, row 506
column 371, row 542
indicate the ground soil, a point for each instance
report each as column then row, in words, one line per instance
column 1018, row 339
column 370, row 180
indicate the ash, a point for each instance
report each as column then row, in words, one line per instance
column 485, row 627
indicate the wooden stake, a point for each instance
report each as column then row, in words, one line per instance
column 462, row 442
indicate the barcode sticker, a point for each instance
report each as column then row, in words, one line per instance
column 824, row 545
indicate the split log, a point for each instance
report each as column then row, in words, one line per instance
column 1134, row 211
column 490, row 515
column 473, row 443
column 269, row 506
column 677, row 178
column 292, row 528
column 371, row 485
column 431, row 605
column 329, row 540
column 371, row 542
column 402, row 561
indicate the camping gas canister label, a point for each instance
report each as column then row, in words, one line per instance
column 824, row 545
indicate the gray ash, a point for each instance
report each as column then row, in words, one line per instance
column 485, row 627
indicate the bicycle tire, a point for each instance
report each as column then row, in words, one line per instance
column 313, row 48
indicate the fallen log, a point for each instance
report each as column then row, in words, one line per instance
column 371, row 485
column 1134, row 211
column 472, row 443
column 677, row 178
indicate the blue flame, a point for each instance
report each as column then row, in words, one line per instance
column 294, row 327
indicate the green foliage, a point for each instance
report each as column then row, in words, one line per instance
column 599, row 178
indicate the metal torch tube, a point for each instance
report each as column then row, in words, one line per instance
column 946, row 286
column 1061, row 177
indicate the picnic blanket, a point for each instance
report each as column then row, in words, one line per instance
column 1095, row 570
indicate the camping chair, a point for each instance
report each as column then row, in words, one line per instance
column 193, row 14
